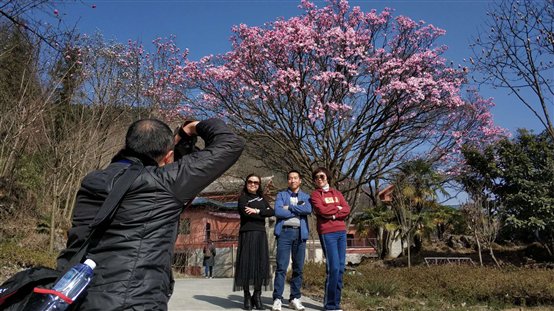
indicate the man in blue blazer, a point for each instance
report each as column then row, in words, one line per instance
column 292, row 207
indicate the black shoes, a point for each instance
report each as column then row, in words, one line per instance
column 257, row 300
column 247, row 300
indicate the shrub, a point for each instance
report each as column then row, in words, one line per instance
column 439, row 287
column 14, row 258
column 314, row 275
column 25, row 257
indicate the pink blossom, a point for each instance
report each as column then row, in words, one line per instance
column 333, row 64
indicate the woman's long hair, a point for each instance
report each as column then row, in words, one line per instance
column 259, row 192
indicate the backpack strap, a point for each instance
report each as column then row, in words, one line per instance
column 107, row 211
column 110, row 205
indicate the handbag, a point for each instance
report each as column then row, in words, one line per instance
column 18, row 289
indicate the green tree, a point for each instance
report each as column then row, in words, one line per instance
column 412, row 211
column 481, row 213
column 444, row 220
column 381, row 220
column 415, row 194
column 519, row 174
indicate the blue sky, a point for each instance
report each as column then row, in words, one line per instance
column 204, row 27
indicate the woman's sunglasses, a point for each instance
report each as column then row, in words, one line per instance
column 320, row 176
column 253, row 182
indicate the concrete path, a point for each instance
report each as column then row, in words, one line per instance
column 217, row 294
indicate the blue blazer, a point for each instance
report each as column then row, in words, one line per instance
column 302, row 211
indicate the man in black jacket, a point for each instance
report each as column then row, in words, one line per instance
column 134, row 254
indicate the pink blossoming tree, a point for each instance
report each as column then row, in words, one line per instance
column 166, row 84
column 130, row 76
column 358, row 92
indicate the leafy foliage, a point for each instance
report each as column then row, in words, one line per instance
column 26, row 257
column 412, row 211
column 519, row 173
column 444, row 220
column 415, row 192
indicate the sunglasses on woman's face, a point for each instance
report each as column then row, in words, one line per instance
column 253, row 182
column 320, row 176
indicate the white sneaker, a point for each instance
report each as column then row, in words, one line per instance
column 295, row 304
column 276, row 305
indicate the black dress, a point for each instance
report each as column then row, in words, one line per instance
column 252, row 266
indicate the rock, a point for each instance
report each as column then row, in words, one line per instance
column 467, row 241
column 454, row 242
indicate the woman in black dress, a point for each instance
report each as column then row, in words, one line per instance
column 252, row 267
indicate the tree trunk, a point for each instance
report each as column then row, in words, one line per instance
column 387, row 243
column 402, row 245
column 381, row 243
column 53, row 223
column 409, row 242
column 549, row 245
column 479, row 250
column 15, row 149
column 493, row 257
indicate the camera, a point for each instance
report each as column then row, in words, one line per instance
column 186, row 145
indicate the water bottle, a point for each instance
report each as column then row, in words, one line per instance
column 71, row 285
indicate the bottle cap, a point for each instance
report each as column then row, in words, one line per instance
column 90, row 263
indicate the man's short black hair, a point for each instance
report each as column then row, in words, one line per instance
column 294, row 171
column 149, row 137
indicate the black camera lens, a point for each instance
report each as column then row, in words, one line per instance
column 185, row 146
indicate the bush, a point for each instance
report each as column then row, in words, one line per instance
column 26, row 257
column 30, row 171
column 439, row 287
column 314, row 275
column 14, row 258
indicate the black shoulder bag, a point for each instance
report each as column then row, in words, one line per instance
column 17, row 290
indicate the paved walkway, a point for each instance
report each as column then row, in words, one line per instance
column 217, row 294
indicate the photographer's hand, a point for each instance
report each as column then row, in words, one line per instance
column 188, row 128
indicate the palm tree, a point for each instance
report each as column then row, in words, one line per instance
column 416, row 186
column 379, row 219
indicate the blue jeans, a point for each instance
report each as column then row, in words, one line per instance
column 208, row 271
column 334, row 249
column 289, row 244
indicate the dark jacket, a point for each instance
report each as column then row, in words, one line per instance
column 135, row 253
column 253, row 222
column 209, row 255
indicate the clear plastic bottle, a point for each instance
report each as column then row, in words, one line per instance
column 70, row 285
